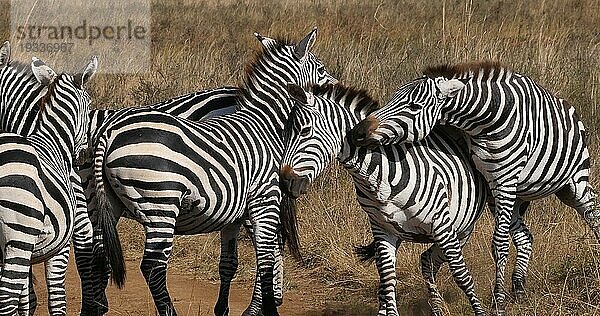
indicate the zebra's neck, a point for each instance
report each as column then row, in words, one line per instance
column 55, row 135
column 480, row 105
column 266, row 97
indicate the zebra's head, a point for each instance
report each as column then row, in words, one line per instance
column 410, row 115
column 306, row 69
column 65, row 99
column 316, row 130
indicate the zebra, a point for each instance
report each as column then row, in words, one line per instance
column 425, row 192
column 196, row 106
column 37, row 199
column 221, row 171
column 22, row 119
column 527, row 142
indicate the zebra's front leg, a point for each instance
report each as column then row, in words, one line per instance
column 158, row 247
column 265, row 221
column 431, row 261
column 56, row 270
column 84, row 255
column 451, row 249
column 254, row 309
column 505, row 198
column 228, row 265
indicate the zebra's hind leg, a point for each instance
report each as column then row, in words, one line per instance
column 523, row 241
column 14, row 280
column 28, row 300
column 451, row 248
column 431, row 261
column 228, row 265
column 56, row 270
column 158, row 248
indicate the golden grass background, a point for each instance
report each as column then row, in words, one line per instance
column 377, row 46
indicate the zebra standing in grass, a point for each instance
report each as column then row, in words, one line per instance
column 22, row 119
column 424, row 192
column 196, row 106
column 527, row 143
column 37, row 200
column 221, row 171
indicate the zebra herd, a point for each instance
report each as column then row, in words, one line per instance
column 424, row 166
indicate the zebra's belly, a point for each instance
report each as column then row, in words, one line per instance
column 201, row 220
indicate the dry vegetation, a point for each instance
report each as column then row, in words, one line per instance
column 203, row 44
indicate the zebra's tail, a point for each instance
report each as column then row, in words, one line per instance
column 366, row 253
column 106, row 219
column 289, row 222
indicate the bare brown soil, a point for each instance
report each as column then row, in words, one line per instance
column 192, row 296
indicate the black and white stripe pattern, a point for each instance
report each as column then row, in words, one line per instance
column 196, row 106
column 527, row 142
column 220, row 172
column 37, row 199
column 425, row 192
column 22, row 119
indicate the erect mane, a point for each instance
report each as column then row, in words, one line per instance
column 355, row 99
column 24, row 70
column 487, row 69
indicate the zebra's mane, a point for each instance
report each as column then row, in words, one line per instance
column 354, row 99
column 24, row 69
column 253, row 66
column 488, row 69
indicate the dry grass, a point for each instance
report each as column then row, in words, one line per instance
column 203, row 44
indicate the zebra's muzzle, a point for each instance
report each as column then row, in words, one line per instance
column 362, row 134
column 291, row 183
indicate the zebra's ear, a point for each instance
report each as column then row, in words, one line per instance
column 305, row 44
column 5, row 54
column 44, row 74
column 87, row 72
column 297, row 93
column 448, row 88
column 265, row 41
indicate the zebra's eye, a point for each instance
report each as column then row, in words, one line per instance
column 305, row 131
column 414, row 106
column 321, row 70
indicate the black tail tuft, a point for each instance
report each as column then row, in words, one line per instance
column 366, row 253
column 289, row 222
column 110, row 239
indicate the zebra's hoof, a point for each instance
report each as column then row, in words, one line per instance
column 519, row 291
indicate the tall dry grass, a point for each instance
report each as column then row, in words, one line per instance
column 378, row 46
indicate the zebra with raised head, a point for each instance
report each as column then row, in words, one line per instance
column 19, row 114
column 527, row 142
column 425, row 192
column 221, row 172
column 196, row 106
column 37, row 200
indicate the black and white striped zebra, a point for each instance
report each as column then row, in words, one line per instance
column 220, row 172
column 527, row 142
column 196, row 106
column 425, row 192
column 22, row 119
column 37, row 200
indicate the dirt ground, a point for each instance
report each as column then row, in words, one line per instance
column 192, row 296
